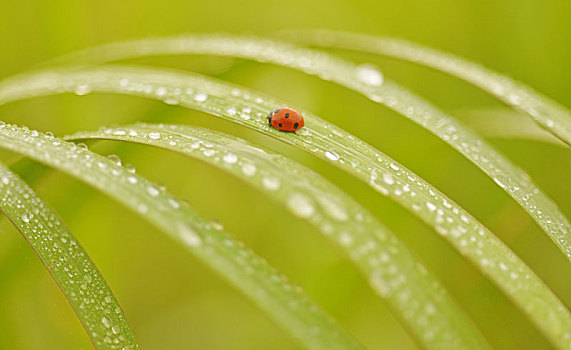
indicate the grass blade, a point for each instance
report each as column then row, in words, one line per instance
column 72, row 269
column 394, row 273
column 506, row 124
column 386, row 176
column 247, row 272
column 550, row 115
column 369, row 82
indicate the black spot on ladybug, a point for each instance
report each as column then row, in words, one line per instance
column 295, row 125
column 280, row 125
column 287, row 115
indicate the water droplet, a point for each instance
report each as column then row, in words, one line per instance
column 231, row 111
column 300, row 205
column 174, row 203
column 388, row 179
column 142, row 208
column 345, row 239
column 550, row 123
column 333, row 208
column 82, row 89
column 230, row 158
column 217, row 225
column 131, row 169
column 124, row 82
column 430, row 206
column 161, row 91
column 105, row 322
column 115, row 159
column 171, row 101
column 514, row 98
column 332, row 155
column 249, row 169
column 154, row 135
column 271, row 183
column 153, row 191
column 377, row 186
column 200, row 97
column 209, row 152
column 188, row 235
column 501, row 180
column 132, row 179
column 25, row 218
column 380, row 284
column 369, row 74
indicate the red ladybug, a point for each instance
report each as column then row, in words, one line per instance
column 285, row 119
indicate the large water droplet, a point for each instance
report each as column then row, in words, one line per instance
column 115, row 159
column 332, row 155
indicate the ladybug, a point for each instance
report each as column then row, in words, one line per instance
column 285, row 119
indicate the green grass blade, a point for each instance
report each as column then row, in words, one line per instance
column 242, row 268
column 550, row 115
column 369, row 82
column 72, row 269
column 506, row 124
column 394, row 273
column 386, row 176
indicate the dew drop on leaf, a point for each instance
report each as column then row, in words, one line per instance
column 332, row 155
column 369, row 75
column 300, row 205
column 271, row 183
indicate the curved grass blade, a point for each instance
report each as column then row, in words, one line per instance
column 550, row 115
column 284, row 303
column 393, row 272
column 70, row 266
column 368, row 81
column 324, row 140
column 506, row 124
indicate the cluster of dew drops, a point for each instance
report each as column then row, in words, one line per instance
column 386, row 280
column 61, row 252
column 186, row 233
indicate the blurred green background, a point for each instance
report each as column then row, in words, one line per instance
column 172, row 301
